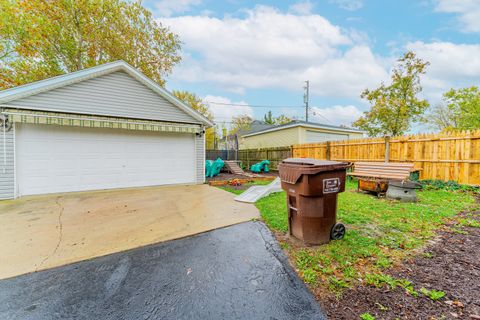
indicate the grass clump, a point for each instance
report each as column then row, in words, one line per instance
column 432, row 294
column 467, row 222
column 366, row 316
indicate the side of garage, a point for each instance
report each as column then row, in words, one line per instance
column 100, row 128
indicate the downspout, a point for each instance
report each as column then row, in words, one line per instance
column 5, row 128
column 4, row 122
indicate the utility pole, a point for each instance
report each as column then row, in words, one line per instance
column 306, row 98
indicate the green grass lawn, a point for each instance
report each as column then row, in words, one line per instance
column 379, row 234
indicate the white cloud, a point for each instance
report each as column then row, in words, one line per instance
column 336, row 115
column 166, row 8
column 271, row 49
column 350, row 5
column 302, row 8
column 224, row 112
column 468, row 12
column 451, row 65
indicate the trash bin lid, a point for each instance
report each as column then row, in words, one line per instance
column 292, row 169
column 311, row 163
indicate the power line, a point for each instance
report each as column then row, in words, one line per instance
column 315, row 113
column 252, row 106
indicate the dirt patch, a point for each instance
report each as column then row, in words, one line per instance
column 450, row 264
column 230, row 176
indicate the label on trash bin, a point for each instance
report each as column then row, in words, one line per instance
column 331, row 185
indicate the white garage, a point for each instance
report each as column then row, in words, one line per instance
column 101, row 128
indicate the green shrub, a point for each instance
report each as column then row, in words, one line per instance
column 448, row 185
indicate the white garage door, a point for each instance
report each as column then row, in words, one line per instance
column 62, row 159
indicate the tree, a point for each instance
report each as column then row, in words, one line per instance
column 197, row 104
column 460, row 109
column 41, row 39
column 441, row 118
column 464, row 104
column 194, row 101
column 241, row 122
column 281, row 119
column 396, row 106
column 268, row 118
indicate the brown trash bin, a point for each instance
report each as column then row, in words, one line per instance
column 312, row 187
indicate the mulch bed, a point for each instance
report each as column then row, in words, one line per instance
column 454, row 267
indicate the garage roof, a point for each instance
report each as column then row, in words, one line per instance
column 104, row 69
column 298, row 123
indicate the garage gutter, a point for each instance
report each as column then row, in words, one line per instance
column 77, row 120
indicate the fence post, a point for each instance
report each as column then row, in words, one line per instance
column 387, row 148
column 248, row 158
column 327, row 150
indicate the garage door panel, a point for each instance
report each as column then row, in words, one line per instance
column 62, row 159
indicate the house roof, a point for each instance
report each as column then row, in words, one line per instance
column 255, row 126
column 85, row 74
column 298, row 123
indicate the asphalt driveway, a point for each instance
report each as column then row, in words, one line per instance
column 42, row 232
column 238, row 272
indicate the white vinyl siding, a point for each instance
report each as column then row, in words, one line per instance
column 316, row 136
column 7, row 168
column 54, row 159
column 116, row 94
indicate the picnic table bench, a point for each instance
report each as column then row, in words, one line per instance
column 374, row 176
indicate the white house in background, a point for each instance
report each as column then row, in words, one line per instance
column 100, row 128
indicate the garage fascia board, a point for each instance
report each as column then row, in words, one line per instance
column 78, row 76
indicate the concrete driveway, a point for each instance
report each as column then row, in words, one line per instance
column 42, row 232
column 238, row 272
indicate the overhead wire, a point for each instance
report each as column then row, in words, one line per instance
column 251, row 106
column 315, row 113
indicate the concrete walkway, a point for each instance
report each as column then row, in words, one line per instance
column 41, row 232
column 237, row 272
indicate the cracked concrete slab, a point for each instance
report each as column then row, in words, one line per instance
column 237, row 272
column 42, row 232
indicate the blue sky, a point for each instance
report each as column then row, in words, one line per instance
column 259, row 53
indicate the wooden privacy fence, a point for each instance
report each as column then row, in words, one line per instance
column 444, row 156
column 274, row 155
column 222, row 154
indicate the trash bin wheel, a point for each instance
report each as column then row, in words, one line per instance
column 337, row 232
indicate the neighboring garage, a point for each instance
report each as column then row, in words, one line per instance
column 100, row 128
